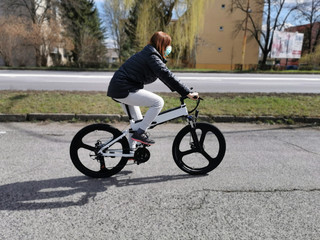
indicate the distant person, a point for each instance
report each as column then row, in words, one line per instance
column 126, row 85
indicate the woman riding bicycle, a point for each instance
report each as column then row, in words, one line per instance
column 126, row 85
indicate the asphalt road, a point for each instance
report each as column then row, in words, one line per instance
column 201, row 82
column 267, row 187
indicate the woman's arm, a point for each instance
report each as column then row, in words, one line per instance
column 166, row 76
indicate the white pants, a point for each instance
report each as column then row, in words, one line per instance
column 142, row 98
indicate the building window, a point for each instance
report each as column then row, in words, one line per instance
column 221, row 28
column 223, row 6
column 219, row 49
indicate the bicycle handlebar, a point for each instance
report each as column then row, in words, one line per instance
column 198, row 102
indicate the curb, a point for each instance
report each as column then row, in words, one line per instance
column 120, row 118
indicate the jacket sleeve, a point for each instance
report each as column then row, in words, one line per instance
column 166, row 76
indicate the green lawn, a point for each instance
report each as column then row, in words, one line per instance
column 289, row 105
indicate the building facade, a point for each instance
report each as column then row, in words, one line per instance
column 218, row 46
column 315, row 35
column 308, row 45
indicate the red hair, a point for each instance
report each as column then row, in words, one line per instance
column 160, row 40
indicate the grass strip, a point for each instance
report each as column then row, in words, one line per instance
column 215, row 104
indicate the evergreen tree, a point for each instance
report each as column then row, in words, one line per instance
column 85, row 28
column 131, row 27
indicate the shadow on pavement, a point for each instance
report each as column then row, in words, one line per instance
column 70, row 191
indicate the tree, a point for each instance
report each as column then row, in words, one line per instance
column 116, row 13
column 134, row 22
column 154, row 15
column 309, row 11
column 131, row 27
column 35, row 10
column 12, row 33
column 83, row 25
column 35, row 14
column 311, row 60
column 274, row 19
column 185, row 31
column 41, row 20
column 46, row 39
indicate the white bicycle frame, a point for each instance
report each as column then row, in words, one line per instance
column 163, row 117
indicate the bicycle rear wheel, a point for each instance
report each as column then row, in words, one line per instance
column 86, row 144
column 198, row 150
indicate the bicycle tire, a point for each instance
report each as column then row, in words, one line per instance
column 196, row 161
column 83, row 151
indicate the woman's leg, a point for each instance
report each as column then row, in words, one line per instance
column 135, row 113
column 143, row 98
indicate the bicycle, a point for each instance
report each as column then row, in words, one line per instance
column 100, row 150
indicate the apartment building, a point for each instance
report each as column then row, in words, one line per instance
column 218, row 46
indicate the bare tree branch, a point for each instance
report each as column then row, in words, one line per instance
column 310, row 12
column 272, row 12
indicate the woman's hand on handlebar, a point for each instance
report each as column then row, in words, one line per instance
column 193, row 95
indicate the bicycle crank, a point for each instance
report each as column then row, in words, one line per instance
column 141, row 155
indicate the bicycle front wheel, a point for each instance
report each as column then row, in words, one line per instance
column 87, row 143
column 198, row 150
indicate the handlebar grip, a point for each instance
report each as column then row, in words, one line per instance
column 199, row 98
column 185, row 97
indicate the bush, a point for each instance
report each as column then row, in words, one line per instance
column 311, row 60
column 305, row 67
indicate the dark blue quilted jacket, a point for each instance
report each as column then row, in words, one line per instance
column 143, row 68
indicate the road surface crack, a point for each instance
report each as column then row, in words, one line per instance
column 302, row 148
column 264, row 191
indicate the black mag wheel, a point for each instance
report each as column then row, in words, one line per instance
column 86, row 144
column 198, row 150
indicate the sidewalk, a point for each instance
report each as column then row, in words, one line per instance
column 122, row 118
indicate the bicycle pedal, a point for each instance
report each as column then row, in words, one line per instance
column 142, row 145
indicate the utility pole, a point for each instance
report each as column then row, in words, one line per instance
column 244, row 43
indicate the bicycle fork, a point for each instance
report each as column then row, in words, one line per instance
column 195, row 145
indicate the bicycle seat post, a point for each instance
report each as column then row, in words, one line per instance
column 132, row 143
column 132, row 122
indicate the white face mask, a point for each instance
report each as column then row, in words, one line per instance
column 168, row 51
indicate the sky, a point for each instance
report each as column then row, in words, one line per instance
column 99, row 2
